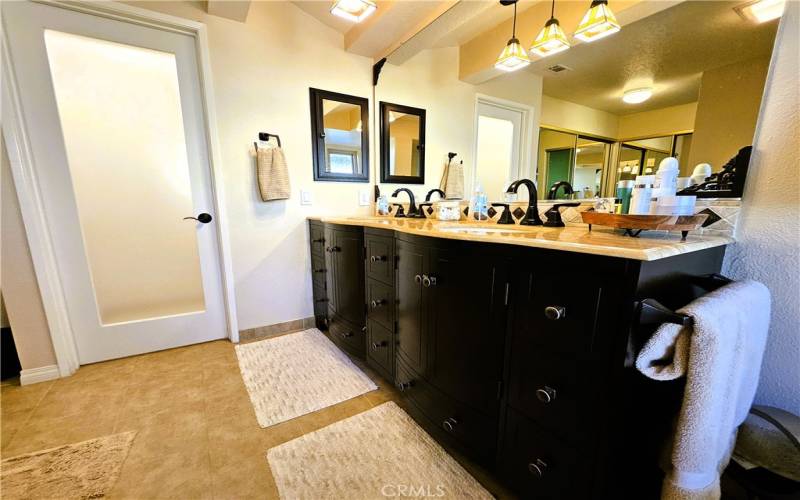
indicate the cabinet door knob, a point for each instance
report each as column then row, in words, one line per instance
column 418, row 279
column 546, row 394
column 346, row 334
column 554, row 312
column 537, row 468
column 450, row 424
column 404, row 386
column 378, row 345
column 377, row 303
column 377, row 258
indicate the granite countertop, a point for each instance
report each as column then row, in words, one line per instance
column 650, row 245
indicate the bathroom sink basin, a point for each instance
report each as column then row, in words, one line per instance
column 479, row 230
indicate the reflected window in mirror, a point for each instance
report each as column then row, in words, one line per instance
column 340, row 136
column 402, row 144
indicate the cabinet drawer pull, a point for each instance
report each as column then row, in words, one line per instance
column 537, row 468
column 546, row 394
column 450, row 424
column 319, row 270
column 555, row 312
column 321, row 300
column 377, row 303
column 318, row 240
column 404, row 386
column 378, row 345
column 377, row 258
column 418, row 279
column 345, row 335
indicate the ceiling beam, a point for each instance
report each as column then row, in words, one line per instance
column 230, row 9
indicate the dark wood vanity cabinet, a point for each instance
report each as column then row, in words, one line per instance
column 517, row 357
column 451, row 310
column 344, row 261
column 319, row 273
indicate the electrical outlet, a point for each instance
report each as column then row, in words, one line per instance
column 363, row 198
column 306, row 197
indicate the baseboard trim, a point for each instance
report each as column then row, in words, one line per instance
column 36, row 375
column 268, row 331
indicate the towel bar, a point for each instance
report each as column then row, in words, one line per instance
column 264, row 136
column 650, row 311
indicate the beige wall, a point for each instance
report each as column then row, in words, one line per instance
column 571, row 116
column 727, row 110
column 768, row 232
column 20, row 290
column 664, row 121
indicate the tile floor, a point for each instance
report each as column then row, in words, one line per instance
column 197, row 432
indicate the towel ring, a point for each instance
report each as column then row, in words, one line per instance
column 265, row 136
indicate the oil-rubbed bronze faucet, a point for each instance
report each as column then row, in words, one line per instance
column 532, row 215
column 554, row 189
column 413, row 211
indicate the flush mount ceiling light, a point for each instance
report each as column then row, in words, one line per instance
column 353, row 10
column 761, row 11
column 551, row 39
column 636, row 96
column 599, row 22
column 513, row 56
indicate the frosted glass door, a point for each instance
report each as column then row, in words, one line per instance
column 120, row 114
column 113, row 112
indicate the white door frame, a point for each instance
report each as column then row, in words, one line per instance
column 525, row 154
column 18, row 143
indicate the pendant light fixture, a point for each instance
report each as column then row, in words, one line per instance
column 513, row 56
column 551, row 39
column 599, row 22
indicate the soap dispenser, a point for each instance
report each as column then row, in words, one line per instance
column 479, row 206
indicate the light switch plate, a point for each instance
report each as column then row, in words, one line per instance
column 306, row 197
column 363, row 198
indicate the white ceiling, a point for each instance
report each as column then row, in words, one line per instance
column 671, row 48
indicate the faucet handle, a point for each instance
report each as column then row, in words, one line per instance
column 400, row 212
column 553, row 215
column 505, row 217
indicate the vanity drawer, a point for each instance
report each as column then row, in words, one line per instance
column 562, row 317
column 539, row 466
column 380, row 303
column 351, row 338
column 474, row 431
column 380, row 256
column 316, row 234
column 318, row 271
column 558, row 393
column 380, row 349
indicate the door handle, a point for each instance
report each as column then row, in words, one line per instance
column 204, row 218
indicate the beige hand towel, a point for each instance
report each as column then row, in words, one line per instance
column 273, row 174
column 453, row 180
column 721, row 358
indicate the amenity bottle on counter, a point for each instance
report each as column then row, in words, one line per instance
column 479, row 207
column 641, row 195
column 624, row 191
column 666, row 183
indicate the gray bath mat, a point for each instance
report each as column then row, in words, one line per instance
column 380, row 453
column 296, row 374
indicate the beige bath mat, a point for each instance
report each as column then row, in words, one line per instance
column 296, row 374
column 82, row 470
column 376, row 454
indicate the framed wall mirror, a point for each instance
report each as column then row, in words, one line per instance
column 339, row 136
column 402, row 144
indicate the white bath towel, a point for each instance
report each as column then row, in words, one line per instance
column 273, row 174
column 453, row 180
column 720, row 355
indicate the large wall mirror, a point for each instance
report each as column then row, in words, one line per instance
column 340, row 136
column 402, row 144
column 682, row 79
